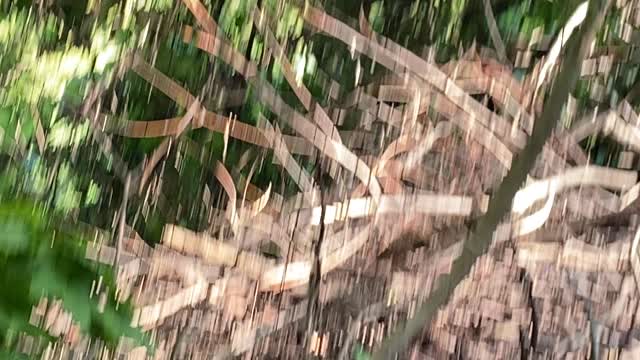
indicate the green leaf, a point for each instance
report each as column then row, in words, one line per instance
column 376, row 16
column 15, row 236
column 12, row 356
column 361, row 354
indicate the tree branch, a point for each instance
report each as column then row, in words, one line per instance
column 500, row 204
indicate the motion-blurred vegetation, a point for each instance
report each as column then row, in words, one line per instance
column 54, row 53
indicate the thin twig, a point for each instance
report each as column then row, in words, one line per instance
column 315, row 275
column 494, row 32
column 122, row 222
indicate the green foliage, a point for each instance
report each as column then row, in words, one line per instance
column 40, row 260
column 376, row 16
column 521, row 19
column 236, row 21
column 361, row 354
column 65, row 133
